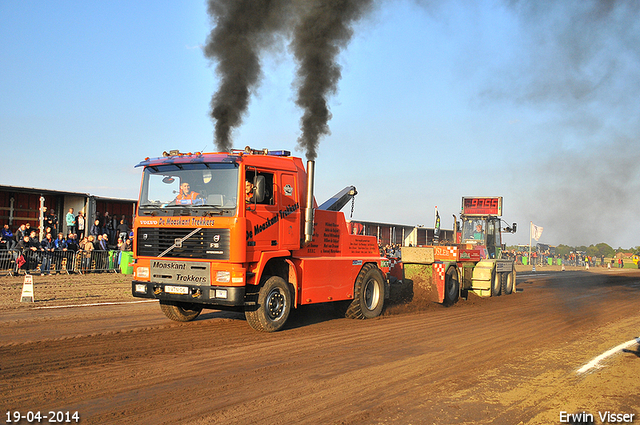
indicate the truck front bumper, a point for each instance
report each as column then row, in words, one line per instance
column 209, row 295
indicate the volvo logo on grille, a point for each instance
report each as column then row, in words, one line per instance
column 144, row 236
column 178, row 242
column 216, row 238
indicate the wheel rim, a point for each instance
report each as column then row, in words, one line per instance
column 275, row 304
column 371, row 294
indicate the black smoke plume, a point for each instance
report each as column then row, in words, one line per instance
column 244, row 29
column 318, row 38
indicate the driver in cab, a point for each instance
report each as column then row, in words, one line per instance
column 478, row 233
column 186, row 196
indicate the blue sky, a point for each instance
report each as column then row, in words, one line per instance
column 537, row 102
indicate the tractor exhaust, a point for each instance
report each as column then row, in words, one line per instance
column 308, row 213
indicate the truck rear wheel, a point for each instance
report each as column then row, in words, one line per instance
column 496, row 283
column 451, row 287
column 368, row 298
column 508, row 281
column 273, row 306
column 179, row 311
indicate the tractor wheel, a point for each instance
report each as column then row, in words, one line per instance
column 496, row 283
column 451, row 287
column 368, row 298
column 508, row 282
column 179, row 311
column 273, row 306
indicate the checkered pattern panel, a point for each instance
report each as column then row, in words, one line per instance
column 453, row 250
column 439, row 271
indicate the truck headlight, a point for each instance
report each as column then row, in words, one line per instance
column 141, row 287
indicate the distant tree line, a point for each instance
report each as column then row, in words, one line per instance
column 597, row 250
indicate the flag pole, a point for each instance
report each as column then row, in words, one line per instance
column 531, row 259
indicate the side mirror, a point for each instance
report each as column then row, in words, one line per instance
column 258, row 189
column 514, row 227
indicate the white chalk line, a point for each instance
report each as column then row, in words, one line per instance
column 594, row 363
column 93, row 304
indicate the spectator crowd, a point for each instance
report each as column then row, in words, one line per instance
column 106, row 233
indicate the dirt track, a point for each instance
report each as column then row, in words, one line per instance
column 506, row 360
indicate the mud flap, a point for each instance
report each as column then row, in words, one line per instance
column 439, row 271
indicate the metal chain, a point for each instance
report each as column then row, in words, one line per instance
column 353, row 203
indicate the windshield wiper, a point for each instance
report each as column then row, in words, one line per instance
column 217, row 207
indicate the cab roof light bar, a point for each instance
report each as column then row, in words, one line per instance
column 246, row 151
column 249, row 151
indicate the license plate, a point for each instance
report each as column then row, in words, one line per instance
column 183, row 290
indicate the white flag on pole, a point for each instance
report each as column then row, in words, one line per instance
column 536, row 232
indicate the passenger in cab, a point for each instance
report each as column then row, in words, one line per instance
column 249, row 189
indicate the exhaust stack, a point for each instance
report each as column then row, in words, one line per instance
column 308, row 214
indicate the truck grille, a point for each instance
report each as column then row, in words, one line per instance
column 212, row 244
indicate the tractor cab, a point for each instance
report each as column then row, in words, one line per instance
column 480, row 227
column 483, row 233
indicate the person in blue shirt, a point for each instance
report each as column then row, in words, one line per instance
column 7, row 238
column 47, row 245
column 60, row 245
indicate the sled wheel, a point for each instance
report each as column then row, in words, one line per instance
column 451, row 287
column 508, row 281
column 496, row 283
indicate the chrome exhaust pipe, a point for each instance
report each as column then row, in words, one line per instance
column 308, row 214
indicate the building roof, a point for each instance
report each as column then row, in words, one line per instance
column 40, row 191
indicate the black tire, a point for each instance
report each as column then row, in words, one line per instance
column 368, row 297
column 179, row 311
column 496, row 283
column 451, row 287
column 272, row 308
column 341, row 307
column 508, row 282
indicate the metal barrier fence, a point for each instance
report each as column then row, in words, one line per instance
column 44, row 262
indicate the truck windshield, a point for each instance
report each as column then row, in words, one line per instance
column 189, row 189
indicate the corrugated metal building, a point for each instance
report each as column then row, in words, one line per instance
column 400, row 234
column 21, row 205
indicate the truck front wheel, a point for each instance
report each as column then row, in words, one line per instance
column 180, row 312
column 273, row 306
column 368, row 298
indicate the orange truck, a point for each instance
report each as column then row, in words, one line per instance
column 241, row 230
